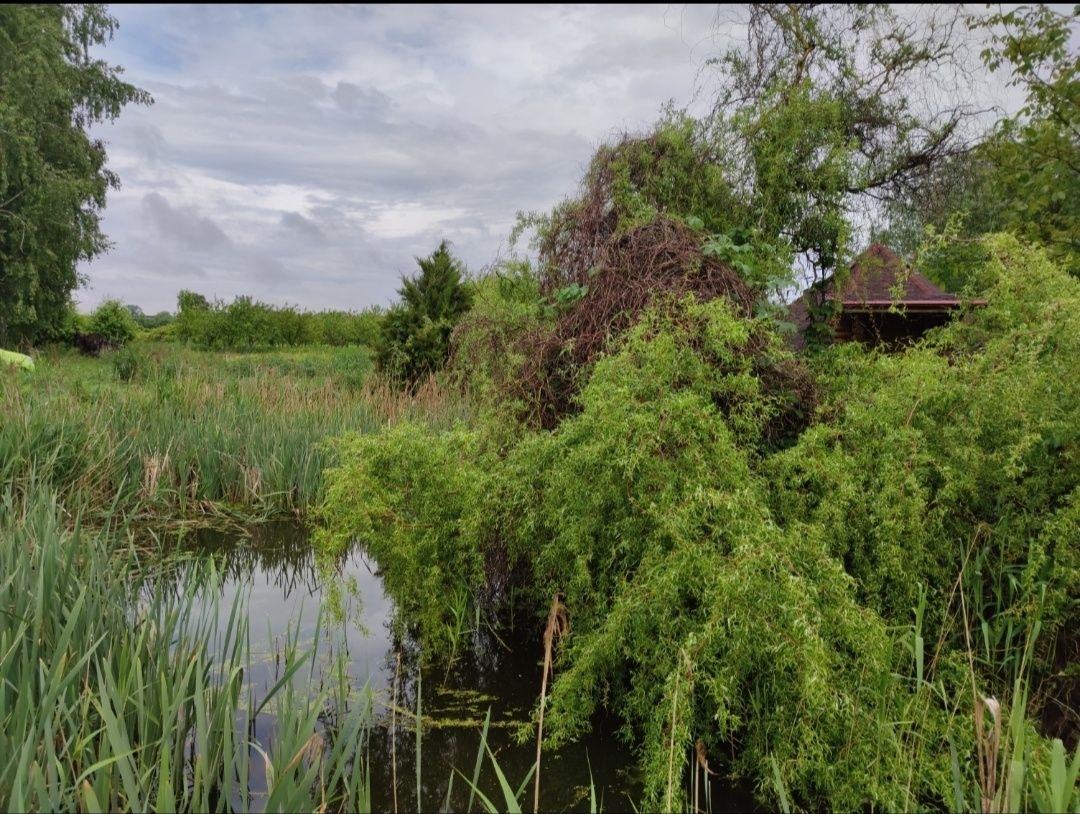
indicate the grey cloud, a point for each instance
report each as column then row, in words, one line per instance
column 355, row 99
column 183, row 226
column 177, row 269
column 311, row 152
column 267, row 269
column 149, row 140
column 298, row 223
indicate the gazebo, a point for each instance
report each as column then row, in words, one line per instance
column 883, row 302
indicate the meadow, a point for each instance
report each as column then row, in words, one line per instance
column 158, row 431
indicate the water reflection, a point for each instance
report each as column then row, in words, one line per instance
column 273, row 569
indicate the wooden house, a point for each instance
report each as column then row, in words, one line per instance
column 883, row 302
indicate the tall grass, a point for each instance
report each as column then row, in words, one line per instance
column 112, row 702
column 195, row 433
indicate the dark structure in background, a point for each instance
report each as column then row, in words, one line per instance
column 94, row 344
column 883, row 302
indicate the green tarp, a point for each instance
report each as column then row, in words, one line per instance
column 19, row 360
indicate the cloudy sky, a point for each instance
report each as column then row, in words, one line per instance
column 306, row 155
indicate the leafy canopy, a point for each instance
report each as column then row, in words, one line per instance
column 114, row 321
column 53, row 177
column 1023, row 177
column 818, row 115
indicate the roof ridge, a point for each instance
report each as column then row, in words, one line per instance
column 877, row 281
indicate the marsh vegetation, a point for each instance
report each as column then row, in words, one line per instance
column 593, row 494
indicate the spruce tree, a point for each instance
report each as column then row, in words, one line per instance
column 415, row 338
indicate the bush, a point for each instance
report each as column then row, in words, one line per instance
column 127, row 364
column 655, row 216
column 424, row 559
column 246, row 324
column 113, row 321
column 489, row 345
column 644, row 513
column 415, row 338
column 799, row 604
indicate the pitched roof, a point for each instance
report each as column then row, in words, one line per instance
column 877, row 276
column 880, row 279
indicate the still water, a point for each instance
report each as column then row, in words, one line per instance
column 273, row 571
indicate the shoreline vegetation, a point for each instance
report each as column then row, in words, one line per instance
column 845, row 574
column 893, row 586
column 157, row 432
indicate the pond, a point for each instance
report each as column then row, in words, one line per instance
column 273, row 571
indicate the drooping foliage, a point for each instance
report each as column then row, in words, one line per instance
column 53, row 177
column 824, row 568
column 418, row 489
column 967, row 448
column 797, row 605
column 415, row 338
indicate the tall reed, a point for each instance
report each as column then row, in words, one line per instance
column 195, row 434
column 112, row 699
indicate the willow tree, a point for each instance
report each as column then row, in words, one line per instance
column 53, row 174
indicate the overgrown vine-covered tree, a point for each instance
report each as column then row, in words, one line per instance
column 53, row 176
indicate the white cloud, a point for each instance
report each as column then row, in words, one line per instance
column 307, row 154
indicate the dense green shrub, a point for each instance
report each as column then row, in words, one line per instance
column 645, row 514
column 418, row 490
column 415, row 339
column 488, row 345
column 246, row 324
column 70, row 325
column 797, row 606
column 689, row 605
column 968, row 446
column 112, row 320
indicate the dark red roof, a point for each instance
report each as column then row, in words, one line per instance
column 880, row 279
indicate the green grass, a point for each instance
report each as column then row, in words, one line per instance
column 159, row 431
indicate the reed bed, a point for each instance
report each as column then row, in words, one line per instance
column 112, row 698
column 121, row 689
column 121, row 692
column 196, row 435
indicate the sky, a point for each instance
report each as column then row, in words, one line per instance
column 306, row 155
